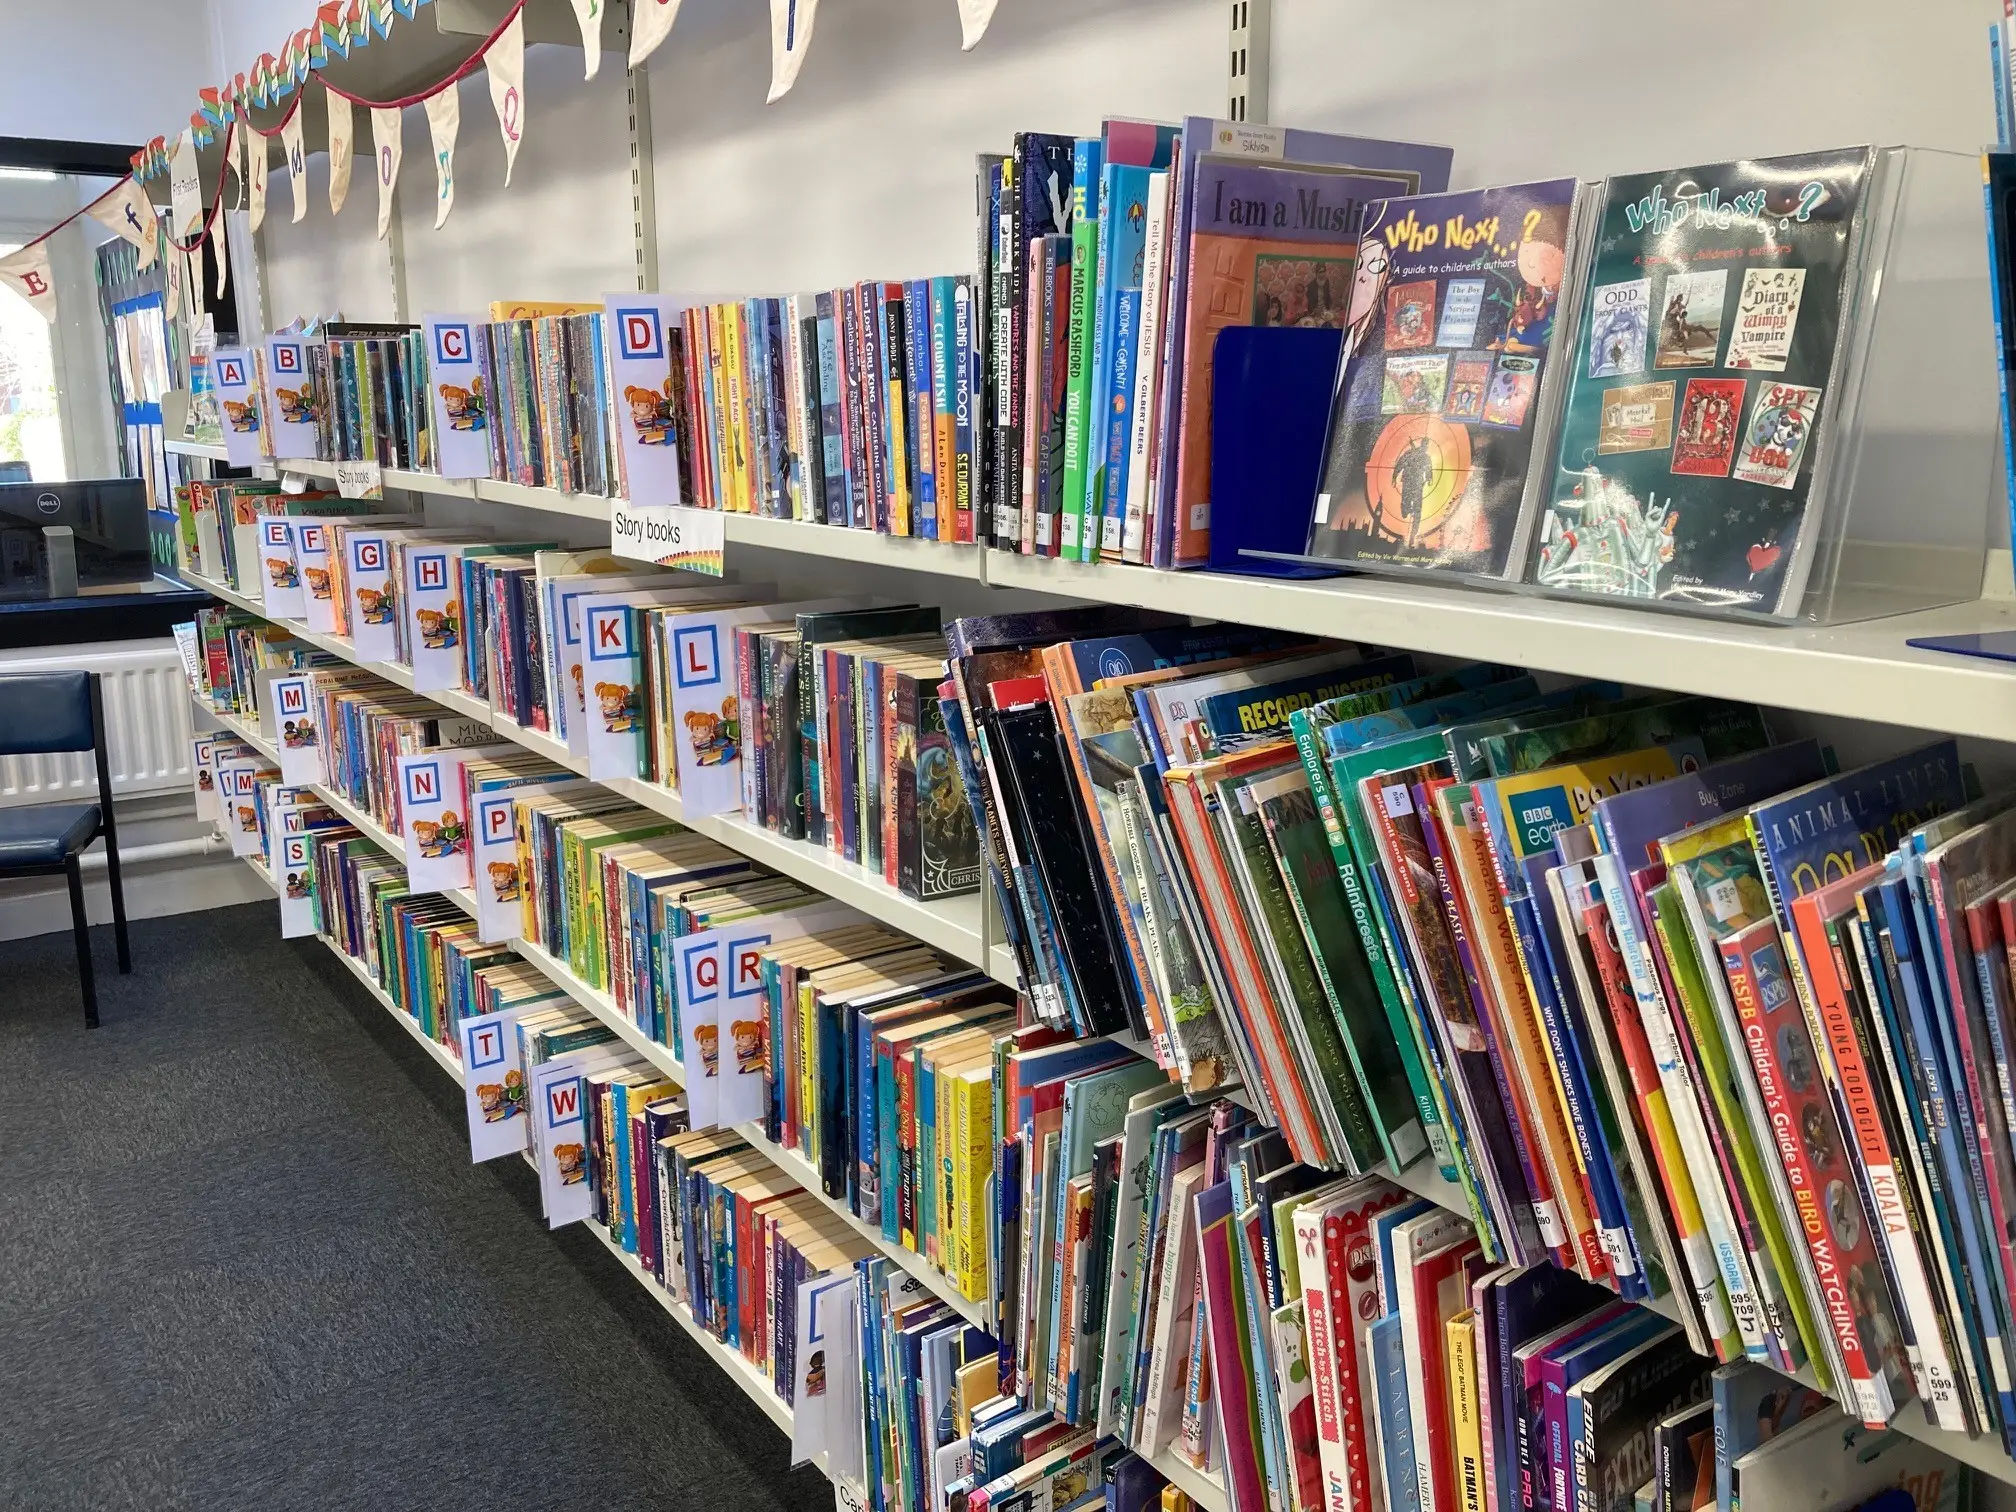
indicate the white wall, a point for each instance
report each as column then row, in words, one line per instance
column 118, row 71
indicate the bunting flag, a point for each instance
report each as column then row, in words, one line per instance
column 342, row 147
column 589, row 14
column 385, row 145
column 259, row 163
column 218, row 238
column 444, row 119
column 650, row 20
column 185, row 189
column 973, row 18
column 297, row 162
column 171, row 297
column 194, row 260
column 126, row 212
column 790, row 35
column 505, row 65
column 27, row 273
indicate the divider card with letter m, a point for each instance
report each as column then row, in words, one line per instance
column 291, row 727
column 279, row 577
column 433, row 614
column 646, row 377
column 290, row 412
column 494, row 1082
column 459, row 376
column 238, row 403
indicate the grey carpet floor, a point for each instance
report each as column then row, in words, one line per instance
column 245, row 1262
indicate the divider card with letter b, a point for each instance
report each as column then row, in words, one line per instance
column 238, row 402
column 433, row 611
column 457, row 374
column 290, row 399
column 494, row 1082
column 645, row 374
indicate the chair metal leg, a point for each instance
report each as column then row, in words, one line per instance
column 118, row 902
column 80, row 924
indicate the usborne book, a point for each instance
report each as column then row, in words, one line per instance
column 1694, row 486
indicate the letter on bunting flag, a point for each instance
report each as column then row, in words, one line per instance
column 255, row 182
column 342, row 148
column 444, row 119
column 505, row 65
column 589, row 14
column 27, row 273
column 297, row 162
column 385, row 144
column 790, row 35
column 126, row 212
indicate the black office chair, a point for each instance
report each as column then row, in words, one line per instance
column 62, row 711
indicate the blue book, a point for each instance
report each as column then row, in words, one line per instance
column 1396, row 1422
column 1999, row 192
column 1115, row 426
column 1753, row 1406
column 1998, row 68
column 1123, row 241
column 917, row 431
column 943, row 436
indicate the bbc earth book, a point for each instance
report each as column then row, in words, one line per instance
column 1451, row 328
column 1705, row 369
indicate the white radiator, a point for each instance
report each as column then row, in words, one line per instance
column 146, row 716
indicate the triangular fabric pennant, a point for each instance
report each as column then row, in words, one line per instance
column 234, row 160
column 176, row 271
column 218, row 241
column 650, row 20
column 790, row 35
column 444, row 119
column 297, row 162
column 589, row 14
column 27, row 273
column 973, row 18
column 255, row 181
column 505, row 65
column 385, row 146
column 194, row 260
column 126, row 212
column 342, row 148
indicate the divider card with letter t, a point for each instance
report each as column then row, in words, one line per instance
column 238, row 400
column 646, row 373
column 494, row 1082
column 461, row 394
column 290, row 411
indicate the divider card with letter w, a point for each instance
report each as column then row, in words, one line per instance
column 462, row 393
column 826, row 1331
column 238, row 400
column 724, row 1027
column 290, row 399
column 560, row 1132
column 494, row 1082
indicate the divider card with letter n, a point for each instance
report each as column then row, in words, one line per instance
column 238, row 402
column 646, row 374
column 290, row 399
column 431, row 821
column 457, row 374
column 433, row 611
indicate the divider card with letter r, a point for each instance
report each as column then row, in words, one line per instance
column 238, row 403
column 644, row 387
column 295, row 879
column 825, row 1317
column 290, row 410
column 279, row 576
column 555, row 1092
column 459, row 378
column 494, row 1082
column 433, row 611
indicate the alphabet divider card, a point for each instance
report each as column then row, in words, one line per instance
column 290, row 725
column 612, row 672
column 560, row 1131
column 434, row 817
column 647, row 371
column 290, row 399
column 458, row 376
column 238, row 401
column 494, row 1082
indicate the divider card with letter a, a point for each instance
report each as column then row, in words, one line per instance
column 238, row 402
column 645, row 375
column 433, row 611
column 456, row 372
column 279, row 577
column 290, row 399
column 494, row 1082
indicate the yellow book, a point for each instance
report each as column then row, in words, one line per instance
column 533, row 309
column 735, row 376
column 897, row 422
column 1465, row 1411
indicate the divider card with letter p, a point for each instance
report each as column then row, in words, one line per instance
column 295, row 879
column 494, row 1082
column 561, row 1139
column 493, row 860
column 645, row 381
column 290, row 399
column 433, row 610
column 238, row 402
column 458, row 375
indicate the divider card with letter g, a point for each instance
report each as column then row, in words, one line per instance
column 291, row 408
column 458, row 374
column 646, row 375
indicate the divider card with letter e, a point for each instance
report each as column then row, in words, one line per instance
column 612, row 687
column 459, row 379
column 707, row 711
column 238, row 402
column 645, row 378
column 555, row 1092
column 494, row 1082
column 294, row 877
column 825, row 1319
column 433, row 611
column 279, row 577
column 289, row 412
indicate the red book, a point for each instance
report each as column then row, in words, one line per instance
column 1231, row 1358
column 1335, row 1246
column 1431, row 1291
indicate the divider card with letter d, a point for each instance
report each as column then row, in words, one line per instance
column 645, row 378
column 433, row 611
column 494, row 1082
column 560, row 1138
column 279, row 577
column 290, row 399
column 588, row 683
column 238, row 403
column 295, row 879
column 458, row 376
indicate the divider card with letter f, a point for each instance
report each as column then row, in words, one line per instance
column 708, row 712
column 290, row 412
column 459, row 377
column 646, row 376
column 238, row 402
column 612, row 688
column 494, row 1082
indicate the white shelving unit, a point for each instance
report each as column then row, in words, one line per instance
column 208, row 451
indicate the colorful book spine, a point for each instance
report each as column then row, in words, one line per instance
column 1087, row 173
column 940, row 297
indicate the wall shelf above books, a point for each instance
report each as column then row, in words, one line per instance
column 204, row 450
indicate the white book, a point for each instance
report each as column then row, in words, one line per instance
column 1146, row 1112
column 1413, row 1242
column 1175, row 1316
column 1147, row 364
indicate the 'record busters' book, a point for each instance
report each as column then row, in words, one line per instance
column 1679, row 476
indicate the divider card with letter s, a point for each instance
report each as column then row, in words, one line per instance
column 290, row 399
column 560, row 1138
column 238, row 403
column 433, row 610
column 279, row 576
column 459, row 377
column 645, row 373
column 494, row 1082
column 295, row 879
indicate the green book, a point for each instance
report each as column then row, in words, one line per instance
column 1724, row 728
column 1086, row 167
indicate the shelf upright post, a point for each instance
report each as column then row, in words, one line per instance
column 1248, row 53
column 395, row 260
column 643, row 197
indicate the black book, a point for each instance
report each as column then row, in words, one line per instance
column 1622, row 1405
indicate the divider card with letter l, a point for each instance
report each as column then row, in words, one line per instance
column 238, row 402
column 458, row 377
column 279, row 577
column 295, row 878
column 290, row 725
column 646, row 369
column 494, row 1082
column 612, row 688
column 561, row 1139
column 433, row 611
column 290, row 410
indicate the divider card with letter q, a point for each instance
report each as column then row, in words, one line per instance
column 494, row 1082
column 1688, row 454
column 555, row 1092
column 238, row 402
column 295, row 879
column 433, row 610
column 1452, row 325
column 461, row 393
column 645, row 380
column 290, row 410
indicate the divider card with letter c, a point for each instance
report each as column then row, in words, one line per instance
column 279, row 576
column 494, row 1082
column 646, row 375
column 462, row 395
column 290, row 399
column 238, row 403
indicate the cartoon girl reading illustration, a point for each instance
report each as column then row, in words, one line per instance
column 280, row 572
column 621, row 708
column 651, row 413
column 504, row 881
column 465, row 406
column 708, row 1038
column 749, row 1056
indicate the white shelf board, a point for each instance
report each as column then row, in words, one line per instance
column 208, row 451
column 799, row 1169
column 1200, row 1486
column 603, row 1005
column 1857, row 671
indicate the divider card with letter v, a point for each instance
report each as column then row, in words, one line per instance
column 647, row 371
column 238, row 402
column 494, row 1082
column 290, row 399
column 458, row 376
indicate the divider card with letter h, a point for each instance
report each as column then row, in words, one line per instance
column 433, row 611
column 494, row 1082
column 458, row 375
column 279, row 576
column 290, row 399
column 645, row 381
column 238, row 401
